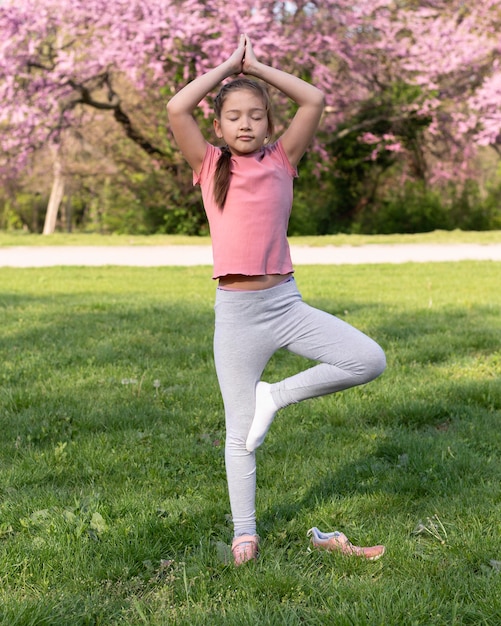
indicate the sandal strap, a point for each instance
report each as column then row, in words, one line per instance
column 244, row 539
column 245, row 548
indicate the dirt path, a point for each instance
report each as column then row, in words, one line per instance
column 149, row 256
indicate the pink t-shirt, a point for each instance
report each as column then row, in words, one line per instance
column 249, row 236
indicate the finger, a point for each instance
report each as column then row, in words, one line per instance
column 248, row 46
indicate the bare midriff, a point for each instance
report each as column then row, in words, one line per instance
column 252, row 283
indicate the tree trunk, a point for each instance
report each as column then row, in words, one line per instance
column 56, row 197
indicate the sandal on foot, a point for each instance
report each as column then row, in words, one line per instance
column 245, row 548
column 338, row 541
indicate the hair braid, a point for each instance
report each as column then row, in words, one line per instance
column 222, row 177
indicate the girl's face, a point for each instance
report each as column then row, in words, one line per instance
column 244, row 122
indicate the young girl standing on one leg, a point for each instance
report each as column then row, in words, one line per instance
column 247, row 193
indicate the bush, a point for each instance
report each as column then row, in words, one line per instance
column 417, row 208
column 23, row 210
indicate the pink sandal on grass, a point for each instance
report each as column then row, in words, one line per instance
column 339, row 542
column 245, row 548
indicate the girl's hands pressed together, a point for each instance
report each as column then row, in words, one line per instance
column 250, row 61
column 243, row 60
column 237, row 59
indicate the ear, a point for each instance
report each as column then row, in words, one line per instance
column 217, row 129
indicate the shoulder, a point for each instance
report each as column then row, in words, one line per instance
column 275, row 151
column 212, row 154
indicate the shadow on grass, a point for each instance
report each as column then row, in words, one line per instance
column 437, row 405
column 417, row 467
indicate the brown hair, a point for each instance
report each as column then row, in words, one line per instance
column 222, row 175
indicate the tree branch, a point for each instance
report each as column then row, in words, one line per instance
column 113, row 104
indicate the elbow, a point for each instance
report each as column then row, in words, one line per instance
column 320, row 99
column 173, row 107
column 174, row 112
column 170, row 107
column 316, row 99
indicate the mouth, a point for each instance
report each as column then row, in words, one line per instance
column 245, row 138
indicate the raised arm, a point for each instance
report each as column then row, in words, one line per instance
column 309, row 99
column 180, row 108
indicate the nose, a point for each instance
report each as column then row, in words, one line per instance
column 245, row 124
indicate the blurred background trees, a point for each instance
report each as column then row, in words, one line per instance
column 410, row 140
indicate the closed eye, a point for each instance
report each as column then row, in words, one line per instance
column 255, row 114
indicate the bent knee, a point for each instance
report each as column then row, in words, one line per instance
column 376, row 363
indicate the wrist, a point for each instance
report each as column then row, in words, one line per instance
column 225, row 69
column 230, row 68
column 257, row 69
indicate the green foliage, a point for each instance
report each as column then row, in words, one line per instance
column 321, row 206
column 470, row 211
column 491, row 205
column 22, row 209
column 362, row 193
column 185, row 222
column 114, row 504
column 416, row 208
column 312, row 212
column 166, row 205
column 9, row 219
column 336, row 198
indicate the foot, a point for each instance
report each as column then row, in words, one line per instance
column 263, row 416
column 337, row 541
column 245, row 548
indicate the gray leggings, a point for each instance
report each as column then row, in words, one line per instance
column 250, row 327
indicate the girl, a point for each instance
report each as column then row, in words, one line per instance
column 247, row 193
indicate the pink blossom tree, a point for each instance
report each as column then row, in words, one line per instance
column 60, row 60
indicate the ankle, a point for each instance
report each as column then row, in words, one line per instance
column 245, row 548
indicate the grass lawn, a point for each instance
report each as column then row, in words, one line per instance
column 113, row 501
column 19, row 238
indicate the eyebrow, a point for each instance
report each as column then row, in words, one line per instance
column 255, row 109
column 251, row 110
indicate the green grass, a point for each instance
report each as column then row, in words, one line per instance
column 113, row 502
column 18, row 238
